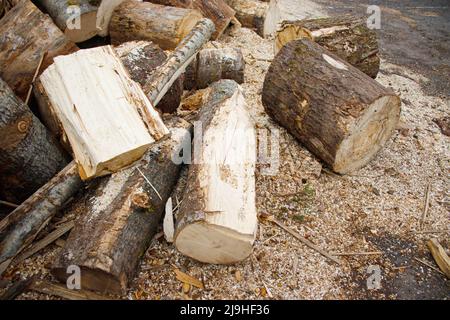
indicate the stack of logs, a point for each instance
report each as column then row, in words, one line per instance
column 129, row 149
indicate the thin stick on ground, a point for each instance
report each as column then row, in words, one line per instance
column 8, row 204
column 302, row 239
column 426, row 206
column 429, row 265
column 371, row 253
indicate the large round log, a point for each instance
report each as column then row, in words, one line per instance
column 29, row 156
column 166, row 26
column 122, row 216
column 216, row 10
column 217, row 220
column 339, row 113
column 141, row 58
column 26, row 34
column 348, row 37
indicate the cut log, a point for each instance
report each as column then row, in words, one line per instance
column 289, row 10
column 177, row 62
column 29, row 155
column 122, row 216
column 163, row 25
column 216, row 10
column 22, row 225
column 250, row 13
column 26, row 34
column 339, row 113
column 77, row 19
column 217, row 220
column 102, row 140
column 212, row 65
column 347, row 37
column 141, row 58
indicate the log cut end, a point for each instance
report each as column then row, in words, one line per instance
column 368, row 135
column 214, row 244
column 87, row 29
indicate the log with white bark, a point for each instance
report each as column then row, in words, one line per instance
column 177, row 62
column 108, row 120
column 21, row 226
column 216, row 10
column 218, row 220
column 141, row 59
column 289, row 10
column 250, row 13
column 29, row 155
column 347, row 36
column 339, row 113
column 77, row 19
column 166, row 26
column 26, row 35
column 122, row 215
column 212, row 65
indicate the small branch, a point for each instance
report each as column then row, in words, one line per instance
column 30, row 90
column 151, row 185
column 372, row 253
column 426, row 206
column 8, row 204
column 429, row 265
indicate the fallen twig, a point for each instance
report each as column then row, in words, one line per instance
column 151, row 185
column 429, row 265
column 30, row 90
column 426, row 206
column 8, row 204
column 371, row 253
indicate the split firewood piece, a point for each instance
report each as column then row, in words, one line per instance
column 216, row 10
column 141, row 59
column 106, row 116
column 348, row 37
column 27, row 34
column 123, row 215
column 217, row 218
column 61, row 291
column 250, row 13
column 29, row 155
column 440, row 256
column 212, row 65
column 21, row 226
column 166, row 26
column 340, row 114
column 289, row 10
column 77, row 19
column 177, row 62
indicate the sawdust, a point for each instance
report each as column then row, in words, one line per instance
column 337, row 213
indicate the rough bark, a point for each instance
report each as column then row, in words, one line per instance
column 103, row 140
column 122, row 216
column 141, row 59
column 217, row 220
column 347, row 37
column 6, row 5
column 67, row 15
column 29, row 155
column 26, row 34
column 339, row 113
column 177, row 62
column 212, row 65
column 250, row 13
column 166, row 26
column 216, row 10
column 22, row 225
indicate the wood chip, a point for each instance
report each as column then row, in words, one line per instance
column 168, row 224
column 440, row 256
column 184, row 277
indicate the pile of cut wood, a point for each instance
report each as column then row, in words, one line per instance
column 99, row 126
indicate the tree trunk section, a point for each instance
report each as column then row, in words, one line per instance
column 29, row 155
column 122, row 216
column 347, row 37
column 141, row 59
column 218, row 220
column 103, row 140
column 163, row 25
column 212, row 65
column 250, row 13
column 27, row 34
column 216, row 10
column 289, row 10
column 21, row 226
column 339, row 113
column 78, row 19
